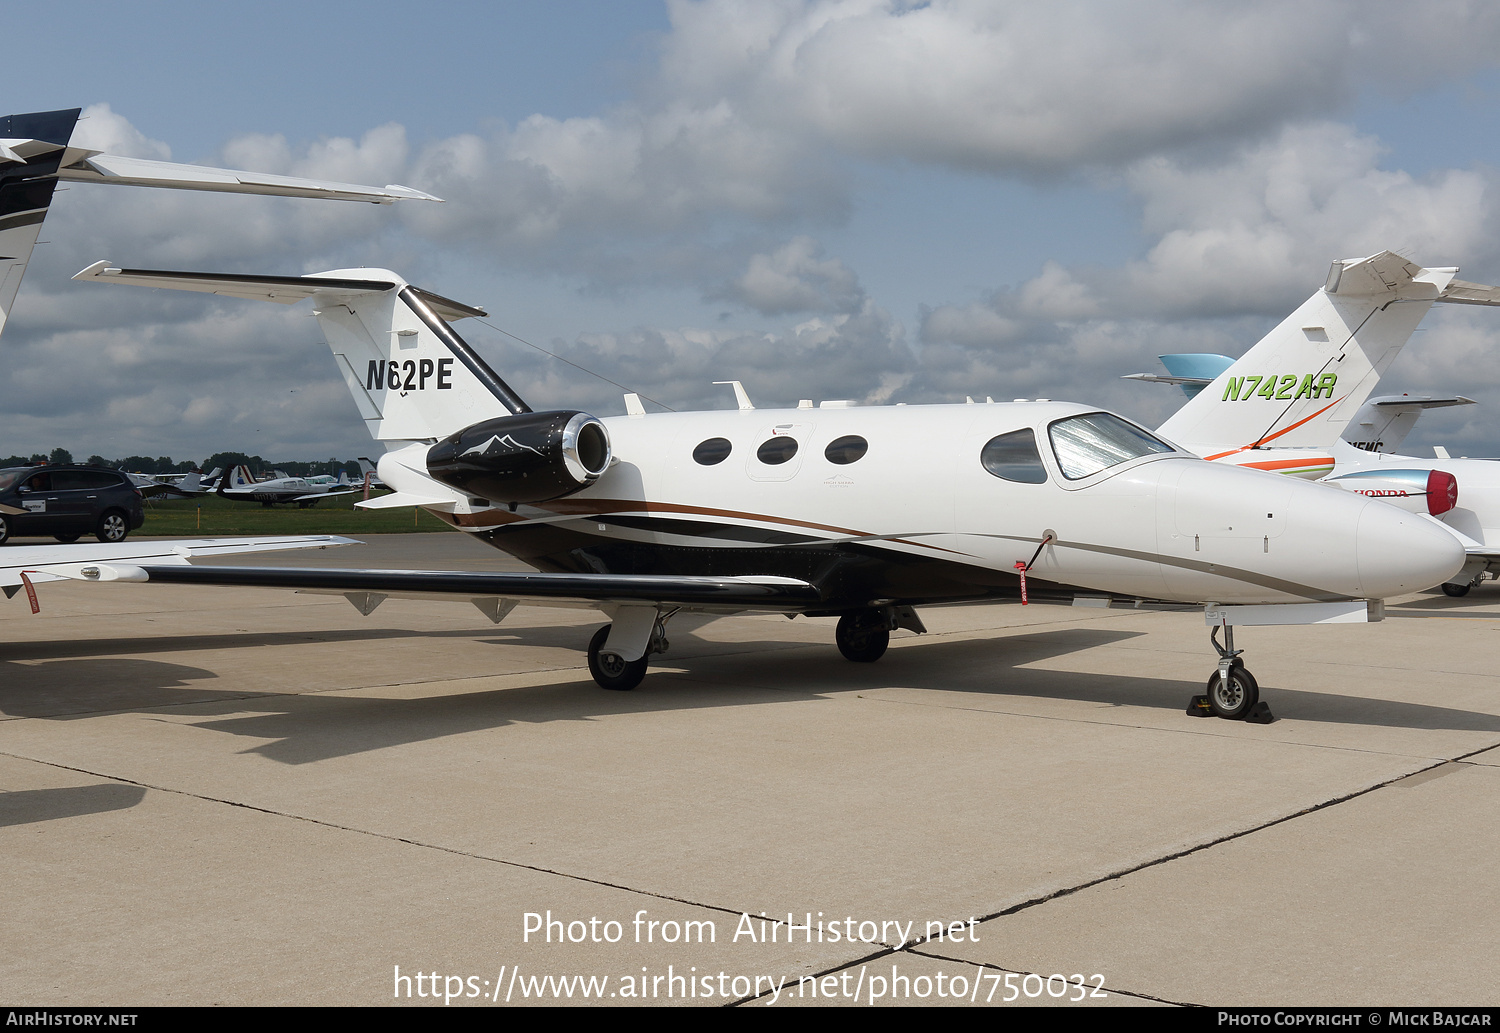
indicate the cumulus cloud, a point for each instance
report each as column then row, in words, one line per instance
column 1043, row 87
column 740, row 148
column 862, row 355
column 796, row 278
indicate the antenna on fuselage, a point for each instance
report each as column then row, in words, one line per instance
column 739, row 393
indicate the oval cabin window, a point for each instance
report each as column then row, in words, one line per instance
column 712, row 452
column 777, row 450
column 845, row 450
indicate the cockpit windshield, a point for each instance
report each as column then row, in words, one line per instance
column 1096, row 441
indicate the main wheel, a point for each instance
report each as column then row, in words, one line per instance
column 1234, row 700
column 112, row 527
column 609, row 670
column 4, row 529
column 1457, row 591
column 861, row 638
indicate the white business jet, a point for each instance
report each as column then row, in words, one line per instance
column 1299, row 402
column 859, row 513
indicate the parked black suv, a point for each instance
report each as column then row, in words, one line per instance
column 68, row 502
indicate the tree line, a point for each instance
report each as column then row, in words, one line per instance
column 166, row 464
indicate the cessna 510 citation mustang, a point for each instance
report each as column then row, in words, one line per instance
column 859, row 513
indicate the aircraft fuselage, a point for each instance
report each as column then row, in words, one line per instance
column 917, row 517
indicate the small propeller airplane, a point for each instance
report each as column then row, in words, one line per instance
column 1299, row 402
column 859, row 513
column 239, row 486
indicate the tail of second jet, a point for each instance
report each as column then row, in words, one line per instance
column 456, row 434
column 412, row 377
column 1302, row 383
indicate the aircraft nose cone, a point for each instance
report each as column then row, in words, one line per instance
column 1398, row 552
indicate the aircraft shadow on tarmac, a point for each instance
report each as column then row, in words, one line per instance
column 26, row 806
column 300, row 728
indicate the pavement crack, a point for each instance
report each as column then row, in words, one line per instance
column 373, row 834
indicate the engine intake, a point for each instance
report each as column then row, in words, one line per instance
column 528, row 457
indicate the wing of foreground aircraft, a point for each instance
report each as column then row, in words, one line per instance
column 860, row 513
column 114, row 561
column 35, row 154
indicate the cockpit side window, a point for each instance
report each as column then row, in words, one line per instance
column 1014, row 457
column 1096, row 441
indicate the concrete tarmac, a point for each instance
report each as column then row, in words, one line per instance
column 254, row 797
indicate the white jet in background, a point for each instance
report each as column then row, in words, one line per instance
column 1299, row 402
column 860, row 513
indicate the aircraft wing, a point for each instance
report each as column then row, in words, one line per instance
column 315, row 496
column 104, row 561
column 82, row 166
column 765, row 593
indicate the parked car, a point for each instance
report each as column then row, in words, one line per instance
column 68, row 502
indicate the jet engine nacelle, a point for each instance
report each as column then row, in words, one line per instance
column 527, row 457
column 1416, row 491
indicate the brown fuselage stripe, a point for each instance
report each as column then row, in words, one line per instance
column 604, row 507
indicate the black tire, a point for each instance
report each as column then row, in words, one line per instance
column 609, row 670
column 113, row 526
column 862, row 637
column 1238, row 698
column 1456, row 591
column 4, row 529
column 67, row 539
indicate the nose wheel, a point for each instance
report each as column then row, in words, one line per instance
column 1232, row 692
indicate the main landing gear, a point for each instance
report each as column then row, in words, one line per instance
column 610, row 668
column 863, row 635
column 1232, row 692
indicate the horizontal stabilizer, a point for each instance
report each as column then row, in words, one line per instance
column 284, row 290
column 400, row 500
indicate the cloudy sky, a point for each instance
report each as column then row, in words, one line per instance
column 859, row 199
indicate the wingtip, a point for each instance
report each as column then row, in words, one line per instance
column 95, row 271
column 410, row 194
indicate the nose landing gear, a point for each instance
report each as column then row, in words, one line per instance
column 1232, row 692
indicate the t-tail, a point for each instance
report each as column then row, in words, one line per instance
column 458, row 433
column 1300, row 386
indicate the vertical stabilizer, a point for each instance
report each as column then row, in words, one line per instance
column 31, row 149
column 1303, row 382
